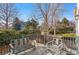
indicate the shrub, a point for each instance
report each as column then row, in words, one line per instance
column 7, row 35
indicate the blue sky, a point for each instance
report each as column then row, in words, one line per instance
column 69, row 13
column 26, row 10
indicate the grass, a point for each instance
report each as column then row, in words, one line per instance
column 70, row 35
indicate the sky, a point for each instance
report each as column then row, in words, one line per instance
column 69, row 13
column 26, row 10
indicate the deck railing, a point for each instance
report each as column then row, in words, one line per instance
column 21, row 43
column 70, row 42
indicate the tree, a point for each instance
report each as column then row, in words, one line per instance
column 65, row 22
column 31, row 26
column 17, row 24
column 34, row 23
column 7, row 13
column 44, row 10
column 65, row 25
column 50, row 13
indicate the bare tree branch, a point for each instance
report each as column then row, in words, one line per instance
column 7, row 13
column 50, row 13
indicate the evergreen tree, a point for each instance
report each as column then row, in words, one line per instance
column 31, row 26
column 17, row 24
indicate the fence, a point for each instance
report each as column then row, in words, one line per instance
column 4, row 49
column 70, row 42
column 21, row 44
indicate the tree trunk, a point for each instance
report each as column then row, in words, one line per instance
column 46, row 25
column 54, row 27
column 54, row 31
column 6, row 13
column 6, row 25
